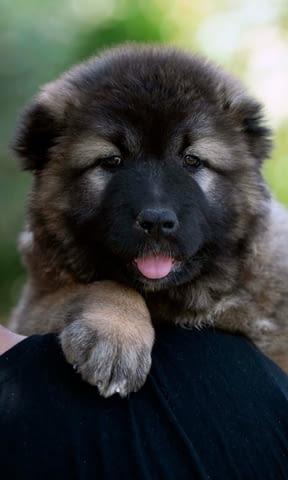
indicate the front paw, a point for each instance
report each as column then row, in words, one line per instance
column 115, row 362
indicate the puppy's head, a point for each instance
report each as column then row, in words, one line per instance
column 147, row 166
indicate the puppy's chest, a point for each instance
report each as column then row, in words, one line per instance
column 234, row 311
column 181, row 306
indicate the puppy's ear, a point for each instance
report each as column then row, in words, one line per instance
column 42, row 122
column 249, row 117
column 35, row 134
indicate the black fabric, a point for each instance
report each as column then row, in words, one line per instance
column 213, row 408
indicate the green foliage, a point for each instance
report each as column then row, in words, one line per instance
column 276, row 169
column 140, row 23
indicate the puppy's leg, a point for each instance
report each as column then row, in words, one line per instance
column 105, row 329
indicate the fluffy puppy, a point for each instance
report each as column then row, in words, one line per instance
column 148, row 205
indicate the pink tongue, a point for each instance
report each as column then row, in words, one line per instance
column 154, row 266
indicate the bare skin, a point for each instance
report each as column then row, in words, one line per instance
column 8, row 339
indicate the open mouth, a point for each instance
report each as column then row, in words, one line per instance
column 155, row 267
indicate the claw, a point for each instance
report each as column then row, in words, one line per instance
column 119, row 387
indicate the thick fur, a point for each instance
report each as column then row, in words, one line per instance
column 151, row 107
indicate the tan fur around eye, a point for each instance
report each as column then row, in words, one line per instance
column 217, row 154
column 87, row 150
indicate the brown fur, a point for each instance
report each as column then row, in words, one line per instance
column 105, row 327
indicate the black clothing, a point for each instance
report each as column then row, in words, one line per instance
column 213, row 407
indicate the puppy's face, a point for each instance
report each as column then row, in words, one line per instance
column 147, row 166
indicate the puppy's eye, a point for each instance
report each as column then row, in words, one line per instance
column 191, row 161
column 113, row 162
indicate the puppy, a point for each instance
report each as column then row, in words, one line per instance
column 148, row 205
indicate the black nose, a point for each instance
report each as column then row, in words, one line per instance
column 157, row 221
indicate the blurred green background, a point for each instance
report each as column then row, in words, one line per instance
column 40, row 39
